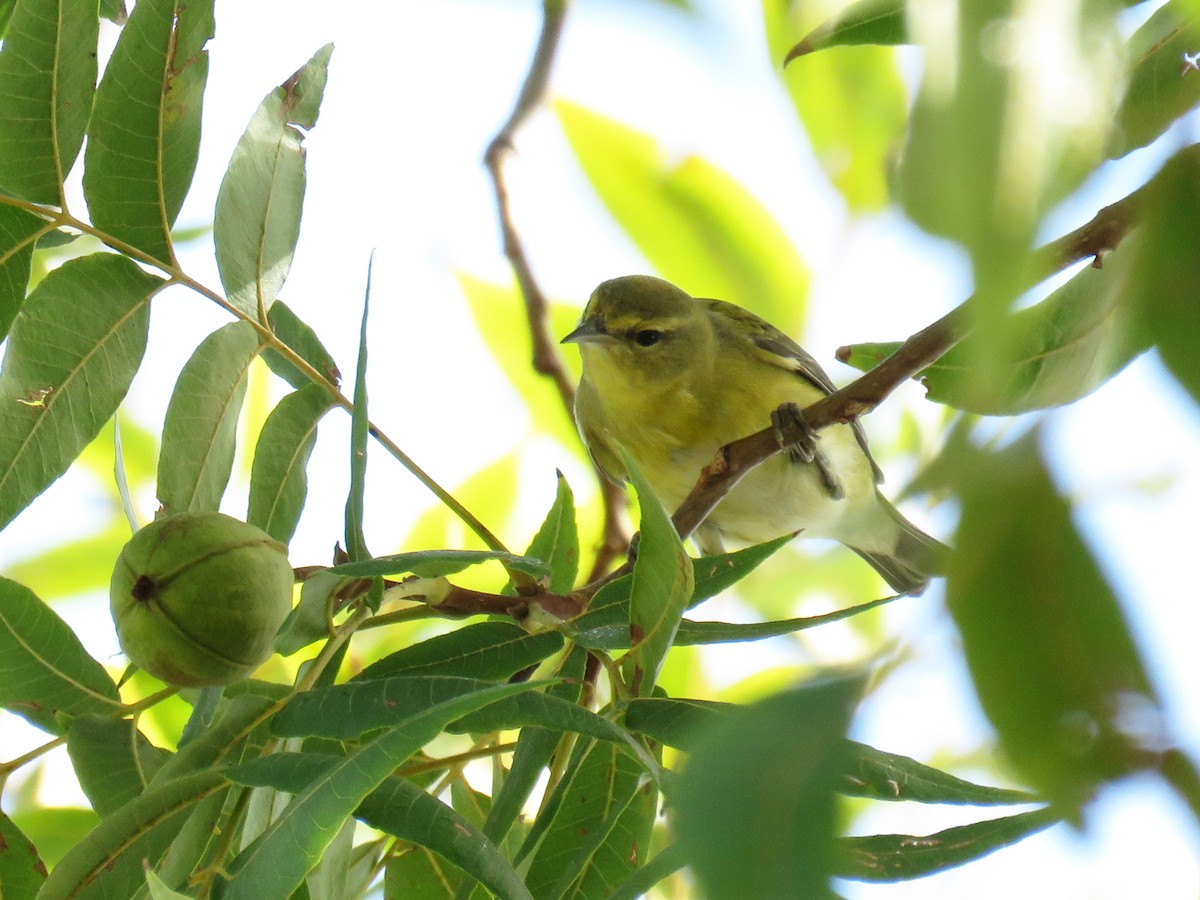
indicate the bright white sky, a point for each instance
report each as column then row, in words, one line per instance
column 415, row 92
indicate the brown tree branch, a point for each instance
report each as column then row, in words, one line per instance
column 546, row 358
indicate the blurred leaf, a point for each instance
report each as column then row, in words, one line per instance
column 1166, row 267
column 21, row 869
column 1159, row 88
column 1055, row 352
column 54, row 830
column 112, row 760
column 200, row 426
column 864, row 22
column 600, row 828
column 489, row 651
column 415, row 873
column 144, row 134
column 435, row 563
column 19, row 232
column 279, row 477
column 74, row 567
column 898, row 857
column 659, row 592
column 1053, row 663
column 403, row 810
column 500, row 322
column 73, row 351
column 139, row 453
column 44, row 670
column 158, row 890
column 48, row 69
column 274, row 865
column 557, row 541
column 298, row 335
column 262, row 194
column 696, row 225
column 851, row 100
column 755, row 806
column 666, row 863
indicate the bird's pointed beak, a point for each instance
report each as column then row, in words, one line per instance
column 590, row 330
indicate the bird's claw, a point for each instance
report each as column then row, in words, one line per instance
column 788, row 419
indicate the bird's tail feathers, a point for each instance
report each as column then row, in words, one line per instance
column 916, row 556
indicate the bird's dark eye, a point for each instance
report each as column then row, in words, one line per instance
column 647, row 337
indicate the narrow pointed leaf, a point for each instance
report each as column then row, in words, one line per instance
column 112, row 759
column 864, row 22
column 279, row 476
column 144, row 136
column 48, row 69
column 22, row 871
column 257, row 220
column 557, row 541
column 200, row 428
column 276, row 863
column 898, row 857
column 889, row 776
column 44, row 670
column 698, row 226
column 19, row 232
column 73, row 351
column 356, row 545
column 668, row 861
column 691, row 632
column 755, row 806
column 716, row 573
column 298, row 335
column 488, row 651
column 1054, row 664
column 435, row 563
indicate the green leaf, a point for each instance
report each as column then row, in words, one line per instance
column 1159, row 89
column 898, row 857
column 73, row 351
column 360, row 424
column 1166, row 267
column 716, row 573
column 691, row 633
column 855, row 122
column 1054, row 352
column 159, row 890
column 22, row 871
column 488, row 651
column 401, row 809
column 660, row 590
column 599, row 830
column 415, row 873
column 675, row 721
column 864, row 22
column 44, row 670
column 144, row 136
column 888, row 776
column 435, row 563
column 112, row 760
column 666, row 863
column 200, row 428
column 557, row 541
column 19, row 231
column 275, row 864
column 74, row 567
column 56, row 829
column 755, row 806
column 298, row 335
column 309, row 619
column 1054, row 665
column 109, row 861
column 261, row 198
column 48, row 69
column 279, row 477
column 696, row 225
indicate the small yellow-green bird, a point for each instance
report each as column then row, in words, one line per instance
column 671, row 378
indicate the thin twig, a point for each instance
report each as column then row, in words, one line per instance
column 546, row 358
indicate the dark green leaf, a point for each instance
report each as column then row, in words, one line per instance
column 864, row 22
column 889, row 776
column 1052, row 660
column 279, row 477
column 488, row 651
column 144, row 135
column 1166, row 266
column 401, row 809
column 109, row 861
column 262, row 195
column 435, row 563
column 660, row 590
column 716, row 573
column 44, row 670
column 755, row 806
column 668, row 861
column 19, row 232
column 698, row 227
column 557, row 541
column 22, row 871
column 112, row 759
column 73, row 351
column 275, row 864
column 360, row 424
column 675, row 722
column 600, row 829
column 48, row 69
column 297, row 334
column 1159, row 88
column 897, row 857
column 200, row 429
column 727, row 632
column 56, row 829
